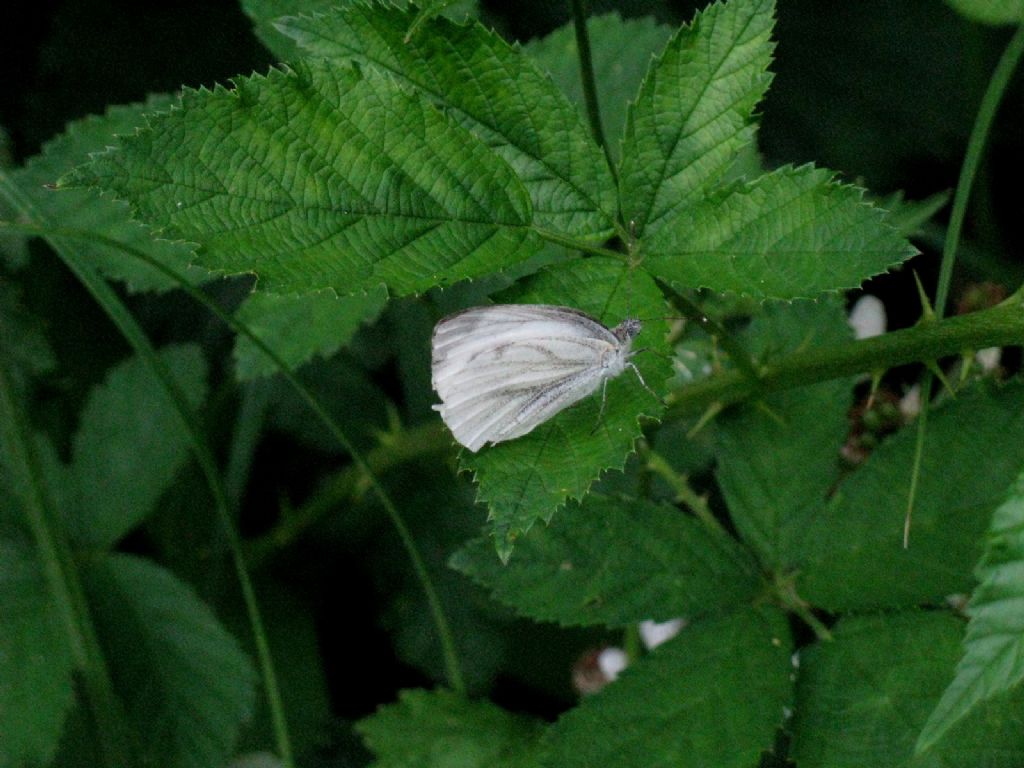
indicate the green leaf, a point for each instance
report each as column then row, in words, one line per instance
column 713, row 695
column 24, row 348
column 993, row 659
column 298, row 328
column 908, row 217
column 490, row 88
column 615, row 562
column 862, row 699
column 527, row 479
column 778, row 458
column 789, row 234
column 130, row 444
column 186, row 686
column 35, row 662
column 86, row 211
column 694, row 111
column 621, row 50
column 440, row 729
column 855, row 558
column 321, row 177
column 990, row 11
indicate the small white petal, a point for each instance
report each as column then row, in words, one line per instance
column 988, row 358
column 910, row 403
column 867, row 318
column 611, row 661
column 654, row 633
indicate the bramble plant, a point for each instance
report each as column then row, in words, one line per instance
column 839, row 548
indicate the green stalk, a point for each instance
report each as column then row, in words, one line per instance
column 1000, row 326
column 580, row 11
column 452, row 667
column 105, row 296
column 62, row 578
column 972, row 161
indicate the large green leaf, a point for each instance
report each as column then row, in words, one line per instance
column 186, row 686
column 993, row 660
column 779, row 458
column 854, row 555
column 527, row 479
column 35, row 662
column 440, row 729
column 990, row 11
column 862, row 699
column 321, row 177
column 789, row 234
column 490, row 88
column 86, row 211
column 713, row 695
column 615, row 562
column 298, row 328
column 130, row 444
column 694, row 111
column 621, row 50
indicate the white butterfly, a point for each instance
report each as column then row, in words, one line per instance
column 504, row 369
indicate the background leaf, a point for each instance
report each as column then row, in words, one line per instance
column 440, row 729
column 713, row 695
column 35, row 661
column 694, row 111
column 186, row 685
column 862, row 699
column 298, row 328
column 993, row 660
column 488, row 87
column 778, row 458
column 990, row 11
column 615, row 562
column 319, row 177
column 527, row 479
column 130, row 445
column 853, row 548
column 621, row 50
column 789, row 234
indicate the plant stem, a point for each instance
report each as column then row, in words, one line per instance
column 1002, row 325
column 62, row 578
column 680, row 485
column 580, row 11
column 579, row 245
column 972, row 161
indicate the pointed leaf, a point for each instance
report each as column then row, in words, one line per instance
column 993, row 659
column 862, row 699
column 621, row 50
column 35, row 661
column 855, row 558
column 778, row 458
column 186, row 686
column 713, row 695
column 490, row 88
column 694, row 111
column 990, row 11
column 440, row 729
column 790, row 234
column 527, row 479
column 298, row 328
column 130, row 444
column 85, row 210
column 615, row 562
column 319, row 177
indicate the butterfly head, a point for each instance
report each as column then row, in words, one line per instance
column 628, row 329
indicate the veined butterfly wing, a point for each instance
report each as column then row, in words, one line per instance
column 503, row 370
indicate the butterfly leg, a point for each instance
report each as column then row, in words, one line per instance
column 644, row 383
column 604, row 399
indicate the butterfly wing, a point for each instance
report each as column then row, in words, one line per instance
column 504, row 369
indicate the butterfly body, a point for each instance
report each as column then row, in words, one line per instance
column 502, row 370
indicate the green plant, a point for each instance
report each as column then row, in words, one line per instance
column 403, row 165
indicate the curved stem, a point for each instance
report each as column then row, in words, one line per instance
column 580, row 11
column 452, row 667
column 972, row 161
